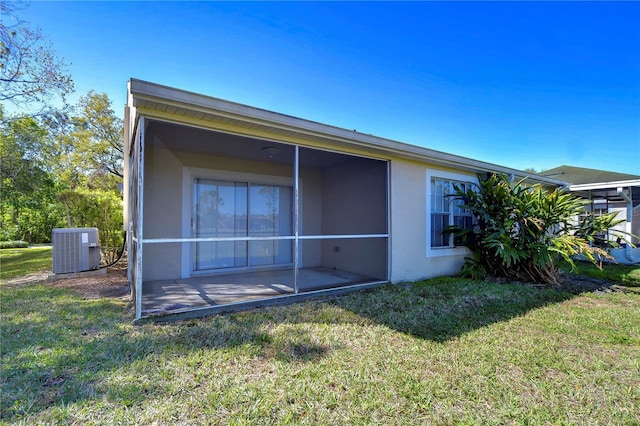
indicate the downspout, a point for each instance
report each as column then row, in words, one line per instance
column 629, row 201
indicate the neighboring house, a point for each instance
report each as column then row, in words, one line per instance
column 233, row 206
column 607, row 192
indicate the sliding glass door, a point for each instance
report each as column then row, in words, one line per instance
column 270, row 215
column 225, row 209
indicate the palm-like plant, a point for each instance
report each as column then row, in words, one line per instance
column 521, row 231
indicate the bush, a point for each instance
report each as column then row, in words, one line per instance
column 521, row 231
column 13, row 244
column 101, row 209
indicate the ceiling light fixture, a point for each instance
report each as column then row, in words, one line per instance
column 271, row 151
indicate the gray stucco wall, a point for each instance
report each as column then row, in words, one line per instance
column 162, row 211
column 411, row 259
column 354, row 201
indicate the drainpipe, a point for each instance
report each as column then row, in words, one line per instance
column 629, row 201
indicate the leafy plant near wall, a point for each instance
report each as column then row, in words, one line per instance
column 522, row 231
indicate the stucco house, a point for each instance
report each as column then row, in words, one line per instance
column 607, row 192
column 231, row 206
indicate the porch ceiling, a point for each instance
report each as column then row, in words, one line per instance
column 193, row 139
column 224, row 123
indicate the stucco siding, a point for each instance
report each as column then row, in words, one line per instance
column 162, row 210
column 409, row 236
column 355, row 202
column 311, row 217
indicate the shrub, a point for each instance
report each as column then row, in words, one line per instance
column 521, row 231
column 101, row 209
column 13, row 244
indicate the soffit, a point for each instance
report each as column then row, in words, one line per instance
column 217, row 121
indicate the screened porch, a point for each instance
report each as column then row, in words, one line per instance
column 226, row 219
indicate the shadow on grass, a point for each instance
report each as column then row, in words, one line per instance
column 58, row 349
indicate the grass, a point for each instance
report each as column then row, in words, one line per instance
column 627, row 275
column 19, row 262
column 445, row 351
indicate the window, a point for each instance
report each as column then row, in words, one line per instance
column 601, row 238
column 447, row 210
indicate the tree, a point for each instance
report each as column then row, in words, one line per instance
column 99, row 133
column 28, row 207
column 521, row 231
column 31, row 74
column 89, row 168
column 64, row 172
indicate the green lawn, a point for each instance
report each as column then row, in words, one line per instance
column 446, row 351
column 19, row 262
column 626, row 275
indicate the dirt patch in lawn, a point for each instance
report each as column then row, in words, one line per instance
column 577, row 284
column 113, row 284
column 574, row 284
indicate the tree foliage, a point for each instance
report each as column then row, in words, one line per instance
column 88, row 155
column 63, row 171
column 89, row 144
column 98, row 135
column 31, row 74
column 59, row 165
column 28, row 208
column 521, row 231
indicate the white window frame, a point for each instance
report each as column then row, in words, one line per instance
column 453, row 177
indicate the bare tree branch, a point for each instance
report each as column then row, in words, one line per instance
column 31, row 75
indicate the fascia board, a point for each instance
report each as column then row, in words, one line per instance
column 142, row 90
column 605, row 185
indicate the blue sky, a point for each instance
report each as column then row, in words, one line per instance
column 521, row 84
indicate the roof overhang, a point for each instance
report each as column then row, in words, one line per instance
column 605, row 185
column 174, row 105
column 610, row 191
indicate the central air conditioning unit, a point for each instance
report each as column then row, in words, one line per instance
column 75, row 250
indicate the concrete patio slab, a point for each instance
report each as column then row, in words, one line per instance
column 168, row 295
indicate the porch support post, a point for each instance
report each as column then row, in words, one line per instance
column 296, row 218
column 388, row 230
column 607, row 201
column 628, row 225
column 140, row 211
